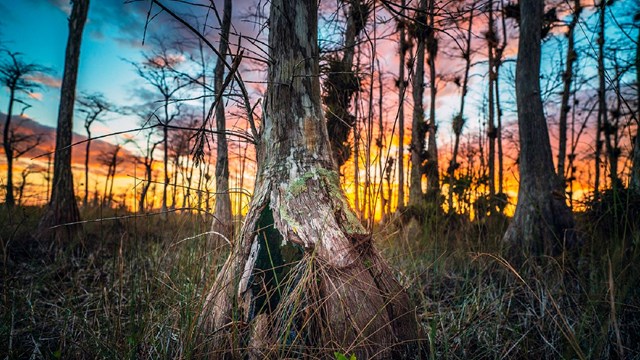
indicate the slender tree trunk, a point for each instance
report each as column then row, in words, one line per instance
column 148, row 174
column 85, row 201
column 105, row 199
column 542, row 223
column 303, row 279
column 613, row 126
column 499, row 132
column 380, row 145
column 459, row 120
column 23, row 184
column 499, row 113
column 187, row 201
column 204, row 116
column 602, row 105
column 48, row 176
column 112, row 167
column 368, row 198
column 165, row 159
column 176, row 171
column 401, row 92
column 432, row 169
column 418, row 126
column 62, row 208
column 8, row 151
column 222, row 217
column 356, row 156
column 567, row 78
column 635, row 166
column 491, row 128
column 605, row 125
column 342, row 83
column 142, row 208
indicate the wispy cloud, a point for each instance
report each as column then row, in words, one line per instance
column 36, row 96
column 62, row 5
column 46, row 80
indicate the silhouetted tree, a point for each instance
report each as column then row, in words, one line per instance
column 432, row 169
column 602, row 100
column 342, row 83
column 567, row 79
column 402, row 85
column 459, row 119
column 62, row 208
column 542, row 222
column 93, row 106
column 15, row 74
column 158, row 70
column 418, row 124
column 111, row 160
column 635, row 167
column 222, row 224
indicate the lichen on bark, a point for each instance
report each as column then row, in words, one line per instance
column 303, row 279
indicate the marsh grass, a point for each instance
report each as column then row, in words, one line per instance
column 134, row 288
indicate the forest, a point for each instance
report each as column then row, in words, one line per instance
column 305, row 179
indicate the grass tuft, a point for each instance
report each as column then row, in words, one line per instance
column 134, row 287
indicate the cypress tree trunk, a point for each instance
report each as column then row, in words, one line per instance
column 401, row 92
column 542, row 222
column 341, row 85
column 567, row 78
column 501, row 200
column 85, row 201
column 222, row 218
column 418, row 126
column 165, row 158
column 635, row 166
column 459, row 120
column 491, row 128
column 62, row 208
column 303, row 278
column 602, row 105
column 8, row 150
column 432, row 169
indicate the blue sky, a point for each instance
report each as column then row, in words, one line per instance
column 114, row 31
column 113, row 34
column 43, row 41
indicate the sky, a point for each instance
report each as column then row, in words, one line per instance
column 113, row 38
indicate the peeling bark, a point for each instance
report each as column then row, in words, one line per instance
column 303, row 278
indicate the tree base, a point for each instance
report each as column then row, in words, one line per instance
column 304, row 280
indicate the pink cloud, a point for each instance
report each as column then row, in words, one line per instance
column 168, row 60
column 36, row 96
column 46, row 80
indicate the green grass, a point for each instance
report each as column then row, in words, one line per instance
column 134, row 287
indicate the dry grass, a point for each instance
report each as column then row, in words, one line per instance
column 134, row 289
